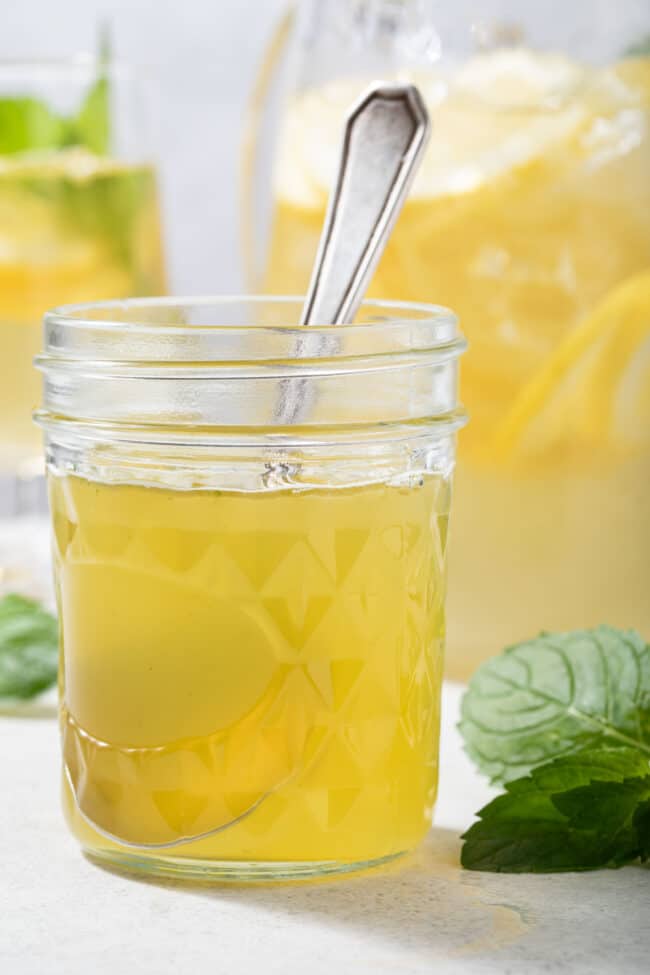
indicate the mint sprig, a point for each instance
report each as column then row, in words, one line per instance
column 564, row 721
column 29, row 648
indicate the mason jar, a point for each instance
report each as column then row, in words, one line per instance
column 250, row 531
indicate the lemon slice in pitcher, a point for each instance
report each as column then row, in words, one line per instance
column 635, row 73
column 595, row 388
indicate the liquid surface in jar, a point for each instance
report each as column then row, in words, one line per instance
column 73, row 227
column 266, row 664
column 531, row 219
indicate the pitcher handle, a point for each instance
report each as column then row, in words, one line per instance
column 250, row 150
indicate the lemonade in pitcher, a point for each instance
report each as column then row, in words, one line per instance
column 531, row 218
column 77, row 221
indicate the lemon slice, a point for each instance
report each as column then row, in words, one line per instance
column 634, row 72
column 162, row 796
column 498, row 112
column 596, row 386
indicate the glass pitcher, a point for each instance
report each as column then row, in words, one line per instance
column 531, row 218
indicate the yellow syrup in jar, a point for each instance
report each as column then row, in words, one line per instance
column 250, row 676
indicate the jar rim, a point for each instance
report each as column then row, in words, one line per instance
column 96, row 314
column 217, row 331
column 164, row 363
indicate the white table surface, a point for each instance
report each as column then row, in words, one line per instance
column 60, row 915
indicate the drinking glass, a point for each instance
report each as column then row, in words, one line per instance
column 78, row 220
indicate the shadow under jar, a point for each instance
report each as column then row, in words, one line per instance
column 252, row 611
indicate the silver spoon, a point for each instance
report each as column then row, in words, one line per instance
column 384, row 139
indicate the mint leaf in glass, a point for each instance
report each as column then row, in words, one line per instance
column 26, row 124
column 639, row 50
column 29, row 125
column 91, row 128
column 29, row 648
column 582, row 812
column 556, row 694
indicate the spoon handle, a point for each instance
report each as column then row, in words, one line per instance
column 385, row 136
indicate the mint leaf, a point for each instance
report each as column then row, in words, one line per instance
column 91, row 128
column 29, row 640
column 553, row 695
column 606, row 807
column 590, row 823
column 27, row 124
column 642, row 826
column 640, row 49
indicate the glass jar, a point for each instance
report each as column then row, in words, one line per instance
column 78, row 220
column 251, row 605
column 531, row 218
